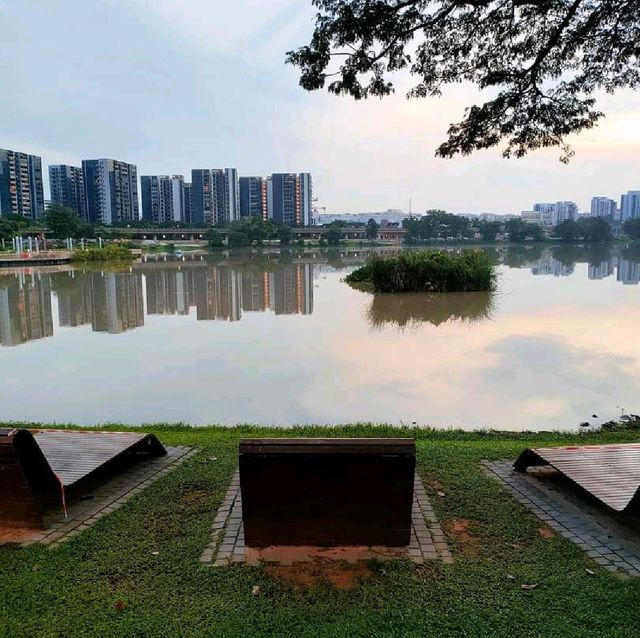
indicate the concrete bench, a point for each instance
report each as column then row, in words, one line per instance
column 327, row 492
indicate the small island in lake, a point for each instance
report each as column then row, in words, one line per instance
column 426, row 271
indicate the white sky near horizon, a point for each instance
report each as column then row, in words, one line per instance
column 172, row 86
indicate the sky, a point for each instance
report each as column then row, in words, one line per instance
column 173, row 85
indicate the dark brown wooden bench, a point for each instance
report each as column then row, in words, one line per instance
column 327, row 492
column 39, row 467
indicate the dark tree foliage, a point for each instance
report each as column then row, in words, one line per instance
column 334, row 234
column 62, row 221
column 632, row 228
column 568, row 231
column 12, row 225
column 372, row 229
column 489, row 230
column 540, row 62
column 520, row 231
column 437, row 224
column 595, row 229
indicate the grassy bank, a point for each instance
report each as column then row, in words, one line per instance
column 427, row 271
column 110, row 252
column 106, row 581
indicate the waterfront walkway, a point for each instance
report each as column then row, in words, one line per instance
column 42, row 258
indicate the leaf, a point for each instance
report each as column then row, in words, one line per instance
column 441, row 494
column 510, row 577
column 255, row 590
column 590, row 572
column 527, row 586
column 120, row 605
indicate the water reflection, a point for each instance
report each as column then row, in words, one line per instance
column 25, row 309
column 413, row 309
column 224, row 289
column 278, row 338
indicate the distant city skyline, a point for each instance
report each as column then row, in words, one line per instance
column 156, row 101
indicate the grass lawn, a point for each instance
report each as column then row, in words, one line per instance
column 106, row 581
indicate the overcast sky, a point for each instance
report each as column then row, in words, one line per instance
column 172, row 85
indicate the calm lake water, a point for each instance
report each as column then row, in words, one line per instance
column 274, row 338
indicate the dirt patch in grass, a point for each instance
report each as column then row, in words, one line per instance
column 307, row 574
column 196, row 496
column 459, row 530
column 546, row 532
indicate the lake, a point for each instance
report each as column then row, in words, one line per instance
column 277, row 338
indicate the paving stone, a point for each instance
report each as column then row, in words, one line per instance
column 602, row 548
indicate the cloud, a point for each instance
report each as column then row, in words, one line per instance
column 172, row 85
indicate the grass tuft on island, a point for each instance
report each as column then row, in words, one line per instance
column 426, row 271
column 111, row 252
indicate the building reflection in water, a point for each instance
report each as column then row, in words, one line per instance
column 114, row 302
column 224, row 293
column 108, row 301
column 25, row 308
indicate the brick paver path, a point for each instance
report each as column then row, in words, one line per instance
column 106, row 498
column 227, row 539
column 601, row 537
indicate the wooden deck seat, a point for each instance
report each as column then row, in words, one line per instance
column 39, row 467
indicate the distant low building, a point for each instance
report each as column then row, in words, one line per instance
column 543, row 217
column 558, row 211
column 390, row 216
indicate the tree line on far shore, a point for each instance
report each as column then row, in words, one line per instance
column 433, row 226
column 437, row 225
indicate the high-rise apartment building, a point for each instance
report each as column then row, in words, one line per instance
column 289, row 197
column 603, row 207
column 559, row 212
column 163, row 198
column 253, row 197
column 111, row 191
column 67, row 187
column 21, row 191
column 201, row 196
column 215, row 196
column 231, row 195
column 630, row 205
column 188, row 212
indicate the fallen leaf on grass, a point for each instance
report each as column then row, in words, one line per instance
column 213, row 458
column 120, row 605
column 510, row 577
column 255, row 590
column 591, row 572
column 527, row 586
column 155, row 553
column 441, row 494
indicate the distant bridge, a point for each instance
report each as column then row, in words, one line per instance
column 308, row 232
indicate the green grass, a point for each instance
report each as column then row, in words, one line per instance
column 110, row 252
column 427, row 271
column 73, row 590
